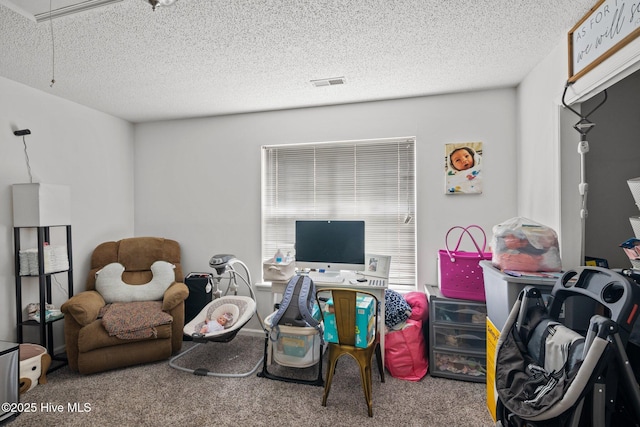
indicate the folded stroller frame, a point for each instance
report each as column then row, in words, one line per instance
column 550, row 375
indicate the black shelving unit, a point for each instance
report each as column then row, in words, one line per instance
column 44, row 327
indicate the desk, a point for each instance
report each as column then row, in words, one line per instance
column 278, row 287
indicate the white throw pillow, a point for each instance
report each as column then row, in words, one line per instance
column 110, row 285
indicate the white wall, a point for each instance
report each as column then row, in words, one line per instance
column 540, row 170
column 72, row 145
column 198, row 180
column 548, row 160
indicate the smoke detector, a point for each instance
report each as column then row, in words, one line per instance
column 329, row 82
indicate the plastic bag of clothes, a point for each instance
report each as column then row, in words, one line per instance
column 524, row 245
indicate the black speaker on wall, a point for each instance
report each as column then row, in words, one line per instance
column 200, row 294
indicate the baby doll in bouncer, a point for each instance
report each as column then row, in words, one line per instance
column 223, row 321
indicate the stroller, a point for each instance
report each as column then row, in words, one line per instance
column 550, row 375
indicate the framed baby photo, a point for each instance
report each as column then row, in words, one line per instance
column 463, row 168
column 377, row 265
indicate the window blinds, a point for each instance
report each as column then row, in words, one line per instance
column 372, row 180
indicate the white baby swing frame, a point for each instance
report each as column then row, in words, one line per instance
column 242, row 307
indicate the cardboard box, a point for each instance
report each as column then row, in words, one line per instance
column 298, row 347
column 365, row 317
column 294, row 345
column 492, row 340
column 596, row 262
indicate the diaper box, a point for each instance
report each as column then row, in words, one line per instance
column 296, row 346
column 365, row 316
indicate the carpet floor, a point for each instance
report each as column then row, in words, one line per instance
column 158, row 395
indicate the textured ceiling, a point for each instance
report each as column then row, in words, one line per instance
column 212, row 57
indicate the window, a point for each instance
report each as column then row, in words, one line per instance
column 372, row 180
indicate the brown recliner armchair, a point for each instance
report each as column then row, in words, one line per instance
column 90, row 348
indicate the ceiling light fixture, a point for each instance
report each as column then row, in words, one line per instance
column 155, row 3
column 53, row 47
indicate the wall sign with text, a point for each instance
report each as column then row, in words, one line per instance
column 605, row 29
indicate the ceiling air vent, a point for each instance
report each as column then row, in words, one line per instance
column 329, row 82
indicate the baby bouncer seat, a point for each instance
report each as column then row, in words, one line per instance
column 239, row 308
column 550, row 375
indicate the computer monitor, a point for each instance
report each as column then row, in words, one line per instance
column 330, row 245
